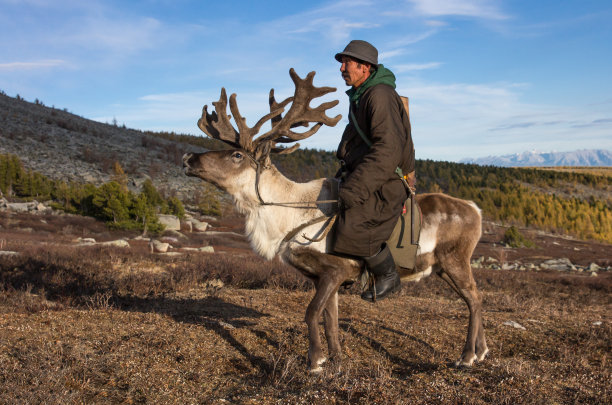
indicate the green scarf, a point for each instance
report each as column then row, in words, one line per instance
column 381, row 75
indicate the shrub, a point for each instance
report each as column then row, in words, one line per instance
column 513, row 238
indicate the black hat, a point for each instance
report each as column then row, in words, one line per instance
column 361, row 50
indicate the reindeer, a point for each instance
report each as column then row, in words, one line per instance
column 292, row 219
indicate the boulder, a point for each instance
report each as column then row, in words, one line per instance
column 593, row 267
column 198, row 226
column 122, row 243
column 563, row 264
column 171, row 222
column 23, row 207
column 156, row 246
column 175, row 234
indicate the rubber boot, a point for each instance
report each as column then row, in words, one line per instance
column 386, row 277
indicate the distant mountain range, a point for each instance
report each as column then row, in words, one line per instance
column 592, row 157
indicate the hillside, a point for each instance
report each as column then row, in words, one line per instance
column 64, row 146
column 67, row 147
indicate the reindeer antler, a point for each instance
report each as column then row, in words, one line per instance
column 218, row 125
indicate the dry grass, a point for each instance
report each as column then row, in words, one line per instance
column 109, row 325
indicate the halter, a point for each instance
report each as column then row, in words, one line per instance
column 292, row 204
column 330, row 219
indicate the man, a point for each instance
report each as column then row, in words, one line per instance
column 371, row 193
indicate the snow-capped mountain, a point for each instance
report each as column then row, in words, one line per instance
column 592, row 157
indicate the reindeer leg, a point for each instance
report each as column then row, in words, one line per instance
column 325, row 289
column 459, row 276
column 328, row 272
column 330, row 315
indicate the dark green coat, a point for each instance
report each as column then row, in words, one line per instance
column 371, row 191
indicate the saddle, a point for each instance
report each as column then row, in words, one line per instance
column 404, row 240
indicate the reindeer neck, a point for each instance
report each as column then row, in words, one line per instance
column 267, row 225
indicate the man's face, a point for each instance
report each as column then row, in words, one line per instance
column 353, row 72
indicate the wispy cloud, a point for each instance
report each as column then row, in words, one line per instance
column 41, row 64
column 487, row 9
column 595, row 123
column 410, row 67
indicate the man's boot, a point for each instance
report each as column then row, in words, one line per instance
column 386, row 277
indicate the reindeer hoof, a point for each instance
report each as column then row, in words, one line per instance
column 482, row 355
column 465, row 361
column 316, row 368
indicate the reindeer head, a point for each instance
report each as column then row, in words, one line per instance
column 229, row 168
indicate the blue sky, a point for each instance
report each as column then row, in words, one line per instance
column 484, row 77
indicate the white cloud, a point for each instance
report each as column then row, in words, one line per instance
column 487, row 9
column 460, row 120
column 41, row 64
column 410, row 67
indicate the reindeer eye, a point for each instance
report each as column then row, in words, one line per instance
column 237, row 155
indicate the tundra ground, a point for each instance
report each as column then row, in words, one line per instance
column 122, row 325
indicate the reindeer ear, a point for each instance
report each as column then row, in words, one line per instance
column 262, row 153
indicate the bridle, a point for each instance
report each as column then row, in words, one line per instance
column 292, row 204
column 330, row 219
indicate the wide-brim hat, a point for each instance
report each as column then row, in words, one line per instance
column 361, row 50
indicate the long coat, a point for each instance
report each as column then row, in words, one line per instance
column 371, row 192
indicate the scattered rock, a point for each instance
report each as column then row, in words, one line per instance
column 85, row 241
column 593, row 274
column 563, row 264
column 478, row 262
column 514, row 325
column 598, row 323
column 122, row 243
column 593, row 267
column 171, row 222
column 32, row 206
column 205, row 249
column 199, row 226
column 156, row 246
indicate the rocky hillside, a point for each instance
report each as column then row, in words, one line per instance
column 64, row 146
